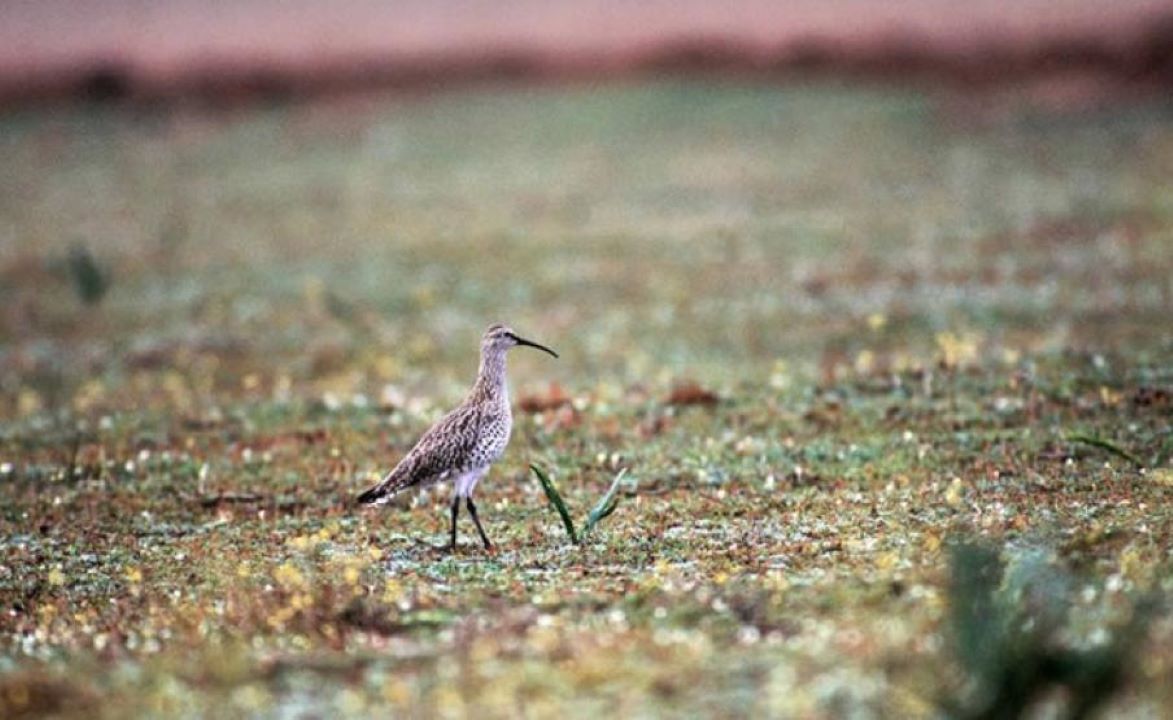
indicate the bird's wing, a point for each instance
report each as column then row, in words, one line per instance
column 437, row 454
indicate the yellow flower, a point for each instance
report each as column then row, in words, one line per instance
column 392, row 592
column 289, row 576
column 932, row 542
column 956, row 492
column 865, row 362
column 956, row 350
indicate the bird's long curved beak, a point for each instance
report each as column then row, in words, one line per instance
column 531, row 343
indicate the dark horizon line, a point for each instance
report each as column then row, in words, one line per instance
column 1145, row 59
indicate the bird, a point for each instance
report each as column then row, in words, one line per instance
column 462, row 445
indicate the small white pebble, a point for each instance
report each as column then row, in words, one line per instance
column 748, row 635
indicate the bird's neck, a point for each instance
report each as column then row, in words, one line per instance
column 491, row 377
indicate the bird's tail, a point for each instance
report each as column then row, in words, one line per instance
column 380, row 493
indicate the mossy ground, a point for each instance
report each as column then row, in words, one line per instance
column 897, row 315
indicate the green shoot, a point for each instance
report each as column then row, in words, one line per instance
column 605, row 506
column 556, row 501
column 1108, row 446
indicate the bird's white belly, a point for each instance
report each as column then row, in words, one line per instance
column 467, row 481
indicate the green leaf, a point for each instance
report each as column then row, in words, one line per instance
column 1105, row 445
column 605, row 506
column 89, row 282
column 556, row 501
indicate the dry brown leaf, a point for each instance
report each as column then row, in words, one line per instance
column 554, row 398
column 691, row 393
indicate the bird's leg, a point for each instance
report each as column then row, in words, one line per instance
column 472, row 510
column 455, row 511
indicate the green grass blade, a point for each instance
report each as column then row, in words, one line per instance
column 556, row 501
column 605, row 506
column 1105, row 445
column 89, row 281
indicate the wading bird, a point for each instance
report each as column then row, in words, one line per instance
column 465, row 442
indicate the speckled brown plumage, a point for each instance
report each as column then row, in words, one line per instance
column 466, row 441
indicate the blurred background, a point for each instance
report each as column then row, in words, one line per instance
column 176, row 48
column 288, row 199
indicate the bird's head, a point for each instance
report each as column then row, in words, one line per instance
column 500, row 338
